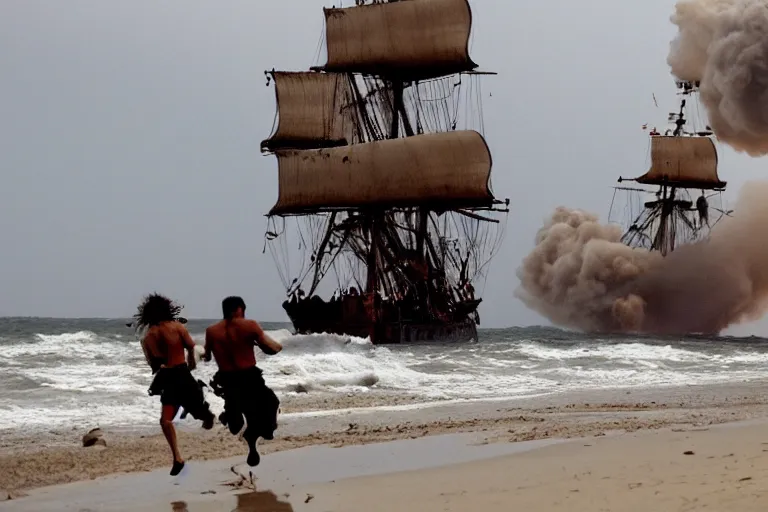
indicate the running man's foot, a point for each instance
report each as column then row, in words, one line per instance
column 177, row 467
column 253, row 454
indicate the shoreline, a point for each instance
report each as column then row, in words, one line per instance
column 37, row 460
column 315, row 405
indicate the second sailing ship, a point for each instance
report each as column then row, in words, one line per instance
column 683, row 161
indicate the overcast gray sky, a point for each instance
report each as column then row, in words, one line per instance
column 129, row 139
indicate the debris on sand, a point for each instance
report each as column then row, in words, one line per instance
column 94, row 437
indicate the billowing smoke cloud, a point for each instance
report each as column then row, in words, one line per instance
column 724, row 44
column 579, row 275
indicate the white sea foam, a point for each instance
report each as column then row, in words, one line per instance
column 86, row 377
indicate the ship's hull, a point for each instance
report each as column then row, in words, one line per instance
column 307, row 319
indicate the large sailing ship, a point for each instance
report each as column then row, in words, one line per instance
column 385, row 174
column 683, row 162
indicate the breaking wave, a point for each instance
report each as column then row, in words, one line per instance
column 97, row 373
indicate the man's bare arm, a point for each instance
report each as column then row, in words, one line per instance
column 189, row 345
column 208, row 351
column 263, row 340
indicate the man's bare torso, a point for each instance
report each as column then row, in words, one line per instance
column 167, row 342
column 232, row 344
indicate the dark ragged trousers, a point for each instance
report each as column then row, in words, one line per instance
column 247, row 400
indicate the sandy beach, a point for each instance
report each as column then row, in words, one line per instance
column 723, row 468
column 58, row 458
column 720, row 467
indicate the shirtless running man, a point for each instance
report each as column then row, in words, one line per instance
column 231, row 342
column 164, row 345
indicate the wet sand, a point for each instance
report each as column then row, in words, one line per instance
column 220, row 484
column 721, row 467
column 31, row 461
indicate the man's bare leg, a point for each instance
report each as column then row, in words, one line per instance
column 166, row 423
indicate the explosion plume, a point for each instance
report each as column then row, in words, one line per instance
column 580, row 275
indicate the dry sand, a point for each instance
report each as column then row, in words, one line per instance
column 34, row 461
column 719, row 468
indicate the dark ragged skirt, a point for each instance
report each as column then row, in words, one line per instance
column 247, row 400
column 177, row 387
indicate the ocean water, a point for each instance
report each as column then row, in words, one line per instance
column 61, row 373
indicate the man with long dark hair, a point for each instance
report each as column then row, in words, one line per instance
column 239, row 381
column 164, row 343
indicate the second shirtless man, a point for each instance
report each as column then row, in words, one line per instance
column 239, row 381
column 164, row 344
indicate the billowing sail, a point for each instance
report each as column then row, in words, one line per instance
column 687, row 162
column 410, row 39
column 444, row 170
column 311, row 111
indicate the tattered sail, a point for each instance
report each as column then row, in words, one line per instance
column 685, row 162
column 311, row 111
column 413, row 39
column 446, row 170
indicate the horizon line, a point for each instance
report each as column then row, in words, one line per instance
column 38, row 317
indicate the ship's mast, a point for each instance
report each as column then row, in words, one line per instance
column 664, row 240
column 378, row 217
